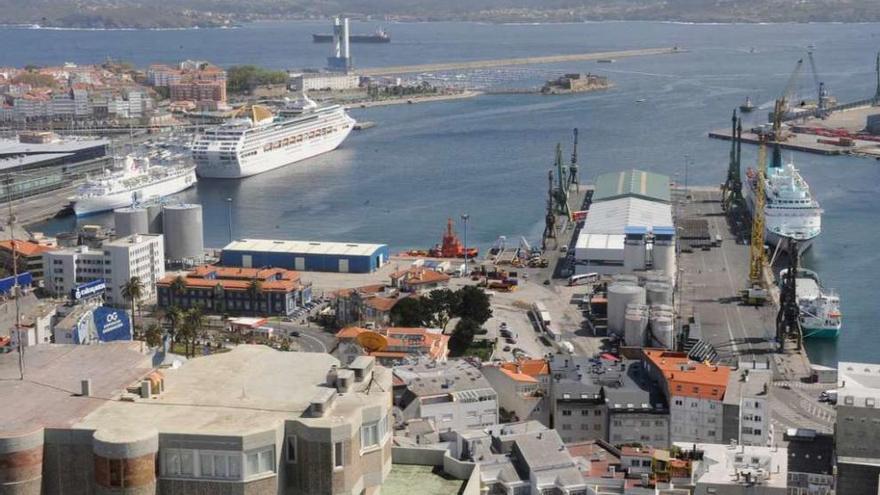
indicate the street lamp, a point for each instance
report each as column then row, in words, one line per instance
column 229, row 217
column 465, row 218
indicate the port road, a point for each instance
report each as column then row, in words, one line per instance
column 507, row 62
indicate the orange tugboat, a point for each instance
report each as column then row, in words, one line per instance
column 451, row 246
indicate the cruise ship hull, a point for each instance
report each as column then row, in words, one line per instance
column 210, row 165
column 773, row 227
column 160, row 189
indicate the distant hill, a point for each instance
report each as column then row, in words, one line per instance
column 207, row 13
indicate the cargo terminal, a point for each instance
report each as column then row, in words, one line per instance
column 339, row 257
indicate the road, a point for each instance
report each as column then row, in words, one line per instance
column 506, row 62
column 310, row 339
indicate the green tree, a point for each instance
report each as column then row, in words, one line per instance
column 473, row 304
column 195, row 321
column 244, row 78
column 463, row 335
column 153, row 335
column 411, row 312
column 133, row 292
column 177, row 288
column 443, row 304
column 255, row 289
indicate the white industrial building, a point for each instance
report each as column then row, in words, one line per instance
column 322, row 81
column 629, row 226
column 115, row 262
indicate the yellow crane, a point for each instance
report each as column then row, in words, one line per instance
column 756, row 293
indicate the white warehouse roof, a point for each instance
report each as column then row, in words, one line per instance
column 600, row 241
column 307, row 247
column 613, row 216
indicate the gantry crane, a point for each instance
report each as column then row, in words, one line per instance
column 731, row 190
column 788, row 319
column 573, row 168
column 756, row 292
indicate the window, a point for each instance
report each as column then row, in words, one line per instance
column 585, row 412
column 566, row 427
column 220, row 465
column 260, row 461
column 338, row 459
column 178, row 462
column 116, row 471
column 597, row 412
column 566, row 412
column 291, row 448
column 373, row 433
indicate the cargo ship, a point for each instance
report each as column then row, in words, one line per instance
column 820, row 315
column 380, row 36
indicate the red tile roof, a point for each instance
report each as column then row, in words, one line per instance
column 686, row 378
column 25, row 248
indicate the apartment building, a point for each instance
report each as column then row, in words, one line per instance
column 747, row 407
column 452, row 395
column 695, row 392
column 523, row 388
column 226, row 423
column 858, row 428
column 115, row 262
column 28, row 256
column 392, row 345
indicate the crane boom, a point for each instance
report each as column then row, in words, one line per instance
column 792, row 79
column 756, row 261
column 816, row 80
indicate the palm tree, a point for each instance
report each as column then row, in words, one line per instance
column 194, row 321
column 255, row 288
column 133, row 291
column 153, row 335
column 175, row 317
column 178, row 285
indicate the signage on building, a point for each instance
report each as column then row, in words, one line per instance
column 90, row 289
column 112, row 324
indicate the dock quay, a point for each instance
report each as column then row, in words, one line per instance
column 798, row 142
column 506, row 62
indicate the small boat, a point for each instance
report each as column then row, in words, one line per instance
column 641, row 100
column 747, row 106
column 606, row 61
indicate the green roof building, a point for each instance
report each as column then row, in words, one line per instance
column 632, row 183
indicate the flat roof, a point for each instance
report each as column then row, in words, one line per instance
column 11, row 146
column 245, row 390
column 633, row 183
column 305, row 247
column 617, row 215
column 600, row 241
column 49, row 394
column 407, row 479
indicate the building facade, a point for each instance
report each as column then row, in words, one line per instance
column 305, row 255
column 523, row 388
column 857, row 439
column 29, row 256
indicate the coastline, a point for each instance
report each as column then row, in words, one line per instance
column 414, row 99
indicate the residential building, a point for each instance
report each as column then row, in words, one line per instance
column 418, row 279
column 367, row 305
column 810, row 461
column 198, row 91
column 35, row 327
column 225, row 423
column 115, row 262
column 600, row 465
column 733, row 470
column 219, row 289
column 747, row 406
column 858, row 428
column 29, row 256
column 163, row 75
column 323, row 81
column 452, row 394
column 392, row 345
column 695, row 392
column 608, row 399
column 523, row 388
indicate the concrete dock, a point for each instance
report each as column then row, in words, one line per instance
column 506, row 62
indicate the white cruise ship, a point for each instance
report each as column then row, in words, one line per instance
column 256, row 141
column 790, row 209
column 136, row 182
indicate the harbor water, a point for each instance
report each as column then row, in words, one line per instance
column 488, row 156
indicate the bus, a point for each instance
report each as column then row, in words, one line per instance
column 583, row 279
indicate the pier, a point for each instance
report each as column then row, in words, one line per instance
column 507, row 62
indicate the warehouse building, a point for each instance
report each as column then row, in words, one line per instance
column 306, row 256
column 629, row 226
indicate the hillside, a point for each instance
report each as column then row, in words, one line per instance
column 212, row 13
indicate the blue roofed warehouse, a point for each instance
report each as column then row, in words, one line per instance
column 306, row 256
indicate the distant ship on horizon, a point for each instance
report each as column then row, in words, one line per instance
column 379, row 36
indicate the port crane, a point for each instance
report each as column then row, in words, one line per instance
column 756, row 292
column 561, row 192
column 731, row 190
column 573, row 167
column 822, row 98
column 550, row 217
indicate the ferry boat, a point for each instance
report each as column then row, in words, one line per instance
column 747, row 106
column 136, row 181
column 790, row 210
column 819, row 307
column 256, row 141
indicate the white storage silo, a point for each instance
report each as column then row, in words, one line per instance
column 663, row 330
column 658, row 293
column 131, row 220
column 619, row 296
column 664, row 250
column 182, row 227
column 635, row 325
column 634, row 252
column 154, row 218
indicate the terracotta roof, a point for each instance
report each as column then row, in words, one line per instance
column 350, row 332
column 229, row 272
column 434, row 345
column 388, row 354
column 519, row 377
column 26, row 248
column 531, row 367
column 419, row 276
column 686, row 378
column 381, row 303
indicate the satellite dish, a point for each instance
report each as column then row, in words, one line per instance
column 372, row 341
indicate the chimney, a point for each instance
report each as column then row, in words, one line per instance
column 85, row 388
column 146, row 389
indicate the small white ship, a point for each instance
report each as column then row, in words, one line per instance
column 790, row 209
column 256, row 141
column 819, row 307
column 137, row 181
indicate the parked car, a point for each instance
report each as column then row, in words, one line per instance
column 294, row 333
column 506, row 348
